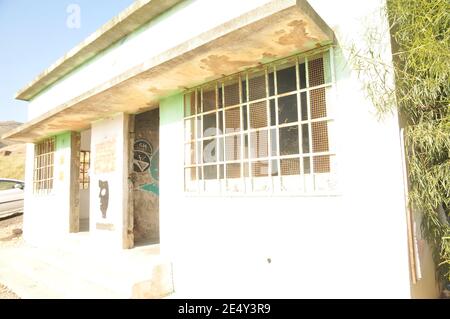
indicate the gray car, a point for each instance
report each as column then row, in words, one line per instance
column 11, row 196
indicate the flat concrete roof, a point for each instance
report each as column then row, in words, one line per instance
column 130, row 19
column 278, row 29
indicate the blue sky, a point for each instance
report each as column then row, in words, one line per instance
column 34, row 34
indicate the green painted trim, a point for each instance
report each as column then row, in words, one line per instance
column 171, row 109
column 63, row 141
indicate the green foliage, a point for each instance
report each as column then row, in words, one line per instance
column 420, row 32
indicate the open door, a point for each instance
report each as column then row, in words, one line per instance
column 146, row 178
column 85, row 163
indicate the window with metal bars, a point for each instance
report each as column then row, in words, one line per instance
column 265, row 129
column 85, row 160
column 44, row 157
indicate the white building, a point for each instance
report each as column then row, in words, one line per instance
column 237, row 136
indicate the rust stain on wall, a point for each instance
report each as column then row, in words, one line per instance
column 156, row 91
column 268, row 56
column 296, row 36
column 221, row 64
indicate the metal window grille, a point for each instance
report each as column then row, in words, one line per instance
column 270, row 125
column 44, row 157
column 85, row 162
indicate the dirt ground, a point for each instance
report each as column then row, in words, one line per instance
column 5, row 293
column 10, row 235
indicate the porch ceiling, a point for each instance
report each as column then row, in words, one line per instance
column 278, row 29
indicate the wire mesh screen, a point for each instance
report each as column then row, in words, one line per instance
column 260, row 168
column 234, row 170
column 231, row 91
column 316, row 72
column 259, row 144
column 209, row 124
column 321, row 164
column 290, row 166
column 209, row 99
column 232, row 120
column 257, row 87
column 189, row 104
column 258, row 114
column 198, row 103
column 320, row 136
column 318, row 103
column 232, row 147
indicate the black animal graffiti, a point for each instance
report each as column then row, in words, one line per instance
column 104, row 196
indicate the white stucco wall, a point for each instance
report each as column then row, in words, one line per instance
column 46, row 216
column 166, row 31
column 108, row 136
column 350, row 245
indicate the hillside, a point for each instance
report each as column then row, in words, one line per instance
column 12, row 154
column 6, row 126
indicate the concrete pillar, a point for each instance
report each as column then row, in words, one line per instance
column 129, row 213
column 74, row 180
column 110, row 216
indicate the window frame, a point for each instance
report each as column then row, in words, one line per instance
column 84, row 169
column 250, row 182
column 44, row 166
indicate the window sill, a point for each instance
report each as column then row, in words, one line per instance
column 264, row 194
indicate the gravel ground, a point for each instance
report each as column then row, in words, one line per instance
column 10, row 236
column 11, row 231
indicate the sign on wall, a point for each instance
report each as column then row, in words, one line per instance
column 105, row 156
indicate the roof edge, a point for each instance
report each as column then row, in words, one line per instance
column 126, row 22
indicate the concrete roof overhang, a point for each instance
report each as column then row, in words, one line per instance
column 275, row 30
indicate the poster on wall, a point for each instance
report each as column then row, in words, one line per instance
column 104, row 163
column 105, row 156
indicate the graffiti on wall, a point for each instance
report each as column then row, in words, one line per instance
column 143, row 152
column 153, row 187
column 105, row 156
column 147, row 161
column 146, row 177
column 104, row 196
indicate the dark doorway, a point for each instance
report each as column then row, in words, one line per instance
column 146, row 178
